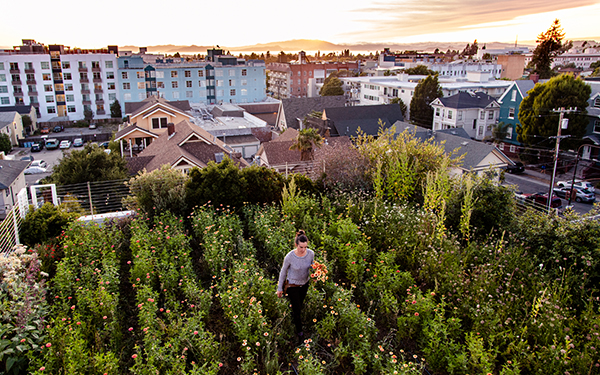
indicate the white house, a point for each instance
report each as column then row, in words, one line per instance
column 475, row 112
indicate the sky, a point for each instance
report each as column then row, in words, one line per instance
column 234, row 23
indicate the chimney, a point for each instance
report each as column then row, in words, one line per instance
column 170, row 128
column 534, row 77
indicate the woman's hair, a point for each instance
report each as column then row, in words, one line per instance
column 301, row 237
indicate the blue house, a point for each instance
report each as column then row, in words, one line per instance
column 509, row 107
column 592, row 134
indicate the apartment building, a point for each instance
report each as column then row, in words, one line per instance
column 59, row 81
column 216, row 80
column 303, row 79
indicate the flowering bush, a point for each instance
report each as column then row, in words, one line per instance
column 320, row 273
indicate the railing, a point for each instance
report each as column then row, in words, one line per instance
column 9, row 230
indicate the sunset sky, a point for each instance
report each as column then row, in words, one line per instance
column 234, row 23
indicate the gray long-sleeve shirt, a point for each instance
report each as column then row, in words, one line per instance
column 296, row 269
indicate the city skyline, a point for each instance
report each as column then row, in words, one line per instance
column 242, row 23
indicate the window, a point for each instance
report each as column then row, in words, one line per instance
column 48, row 88
column 189, row 94
column 71, row 109
column 219, row 73
column 2, row 77
column 160, row 85
column 174, row 84
column 141, row 96
column 187, row 73
column 513, row 95
column 200, row 73
column 141, row 85
column 175, row 94
column 82, row 65
column 160, row 122
column 509, row 131
column 219, row 82
column 244, row 92
column 99, row 107
column 188, row 83
column 299, row 73
column 126, row 86
column 68, row 87
column 46, row 77
column 244, row 82
column 437, row 112
column 244, row 72
column 482, row 115
column 85, row 97
column 70, row 98
column 4, row 90
column 449, row 114
column 14, row 66
column 232, row 92
column 95, row 64
column 140, row 75
column 28, row 65
column 490, row 115
column 232, row 82
column 85, row 87
column 159, row 74
column 459, row 116
column 111, row 86
column 597, row 102
column 108, row 64
column 127, row 96
column 201, row 83
column 232, row 72
column 5, row 100
column 97, row 75
column 51, row 110
column 1, row 66
column 299, row 81
column 66, row 65
column 83, row 76
column 112, row 97
column 173, row 73
column 67, row 76
column 45, row 64
column 597, row 126
column 110, row 75
column 124, row 75
column 511, row 113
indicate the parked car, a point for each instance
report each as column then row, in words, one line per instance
column 578, row 184
column 542, row 199
column 517, row 168
column 92, row 126
column 39, row 163
column 52, row 143
column 104, row 144
column 45, row 130
column 58, row 129
column 27, row 158
column 37, row 147
column 77, row 142
column 34, row 170
column 65, row 144
column 581, row 195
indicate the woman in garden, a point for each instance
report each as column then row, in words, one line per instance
column 294, row 276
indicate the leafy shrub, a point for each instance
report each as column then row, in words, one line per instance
column 45, row 223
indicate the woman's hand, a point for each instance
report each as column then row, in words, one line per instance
column 280, row 294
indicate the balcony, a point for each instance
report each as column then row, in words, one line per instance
column 96, row 69
column 15, row 71
column 31, row 82
column 88, row 102
column 97, row 80
column 100, row 112
column 36, row 105
column 85, row 92
column 101, row 101
column 98, row 90
column 20, row 93
column 31, row 71
column 84, row 80
column 32, row 93
column 83, row 70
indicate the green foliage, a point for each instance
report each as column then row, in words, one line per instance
column 305, row 142
column 537, row 118
column 549, row 46
column 332, row 86
column 158, row 191
column 87, row 165
column 45, row 223
column 427, row 90
column 500, row 131
column 5, row 143
column 402, row 105
column 26, row 121
column 115, row 109
column 81, row 124
column 220, row 184
column 263, row 185
column 88, row 115
column 421, row 70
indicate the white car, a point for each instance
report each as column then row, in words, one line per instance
column 39, row 163
column 578, row 185
column 65, row 144
column 35, row 170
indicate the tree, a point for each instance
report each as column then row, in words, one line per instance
column 549, row 46
column 426, row 91
column 87, row 165
column 500, row 131
column 45, row 223
column 88, row 115
column 422, row 70
column 27, row 122
column 536, row 116
column 332, row 86
column 5, row 144
column 400, row 102
column 306, row 141
column 219, row 183
column 115, row 110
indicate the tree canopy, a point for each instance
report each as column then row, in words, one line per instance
column 306, row 141
column 549, row 46
column 422, row 70
column 421, row 112
column 115, row 109
column 538, row 119
column 402, row 105
column 91, row 163
column 5, row 144
column 332, row 86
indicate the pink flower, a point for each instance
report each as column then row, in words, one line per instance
column 416, row 314
column 42, row 368
column 134, row 356
column 130, row 329
column 48, row 345
column 220, row 364
column 195, row 332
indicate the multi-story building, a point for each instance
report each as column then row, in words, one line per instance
column 218, row 79
column 303, row 79
column 381, row 90
column 59, row 81
column 581, row 60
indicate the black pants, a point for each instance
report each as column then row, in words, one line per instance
column 296, row 295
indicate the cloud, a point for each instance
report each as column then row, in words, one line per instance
column 405, row 18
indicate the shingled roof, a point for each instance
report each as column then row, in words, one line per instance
column 132, row 108
column 347, row 120
column 297, row 108
column 10, row 170
column 465, row 99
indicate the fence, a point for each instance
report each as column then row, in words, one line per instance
column 9, row 230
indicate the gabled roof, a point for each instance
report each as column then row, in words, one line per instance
column 474, row 152
column 189, row 144
column 134, row 109
column 131, row 129
column 22, row 109
column 298, row 108
column 347, row 120
column 279, row 153
column 7, row 118
column 10, row 170
column 289, row 134
column 464, row 100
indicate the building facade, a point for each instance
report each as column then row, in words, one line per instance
column 59, row 81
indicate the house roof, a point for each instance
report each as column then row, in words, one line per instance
column 347, row 120
column 262, row 134
column 131, row 129
column 7, row 118
column 22, row 109
column 279, row 153
column 289, row 134
column 133, row 109
column 474, row 152
column 189, row 144
column 10, row 170
column 464, row 99
column 298, row 108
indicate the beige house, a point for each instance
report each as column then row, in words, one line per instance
column 12, row 181
column 148, row 119
column 11, row 124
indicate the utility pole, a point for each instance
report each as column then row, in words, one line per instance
column 562, row 124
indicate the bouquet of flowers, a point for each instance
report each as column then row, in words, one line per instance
column 320, row 273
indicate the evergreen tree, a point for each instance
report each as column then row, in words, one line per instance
column 549, row 46
column 115, row 109
column 421, row 112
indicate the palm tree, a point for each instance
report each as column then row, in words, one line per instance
column 306, row 140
